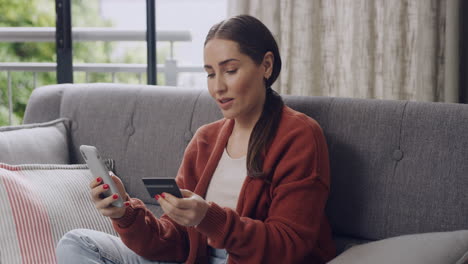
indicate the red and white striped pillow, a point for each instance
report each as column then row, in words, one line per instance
column 38, row 205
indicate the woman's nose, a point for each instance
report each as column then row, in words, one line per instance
column 220, row 85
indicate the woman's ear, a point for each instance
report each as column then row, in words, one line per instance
column 267, row 63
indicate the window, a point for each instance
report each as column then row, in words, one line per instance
column 195, row 16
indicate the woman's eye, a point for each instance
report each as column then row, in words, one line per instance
column 232, row 71
column 210, row 75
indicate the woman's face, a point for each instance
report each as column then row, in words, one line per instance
column 234, row 80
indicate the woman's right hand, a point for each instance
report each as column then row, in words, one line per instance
column 105, row 206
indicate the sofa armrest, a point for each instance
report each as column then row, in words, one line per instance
column 427, row 248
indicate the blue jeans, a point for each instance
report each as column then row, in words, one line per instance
column 89, row 246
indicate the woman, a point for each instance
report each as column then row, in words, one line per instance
column 255, row 183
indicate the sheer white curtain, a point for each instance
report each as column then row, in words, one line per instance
column 387, row 49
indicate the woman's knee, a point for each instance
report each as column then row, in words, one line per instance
column 75, row 242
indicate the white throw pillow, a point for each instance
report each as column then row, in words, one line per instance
column 39, row 204
column 35, row 143
column 427, row 248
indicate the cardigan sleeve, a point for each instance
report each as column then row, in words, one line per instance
column 152, row 238
column 299, row 191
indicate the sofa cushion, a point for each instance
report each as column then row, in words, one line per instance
column 40, row 203
column 35, row 143
column 427, row 248
column 144, row 129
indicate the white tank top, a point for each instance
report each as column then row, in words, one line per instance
column 227, row 181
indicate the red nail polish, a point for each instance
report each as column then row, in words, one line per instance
column 156, row 197
column 115, row 196
column 127, row 203
column 99, row 179
column 105, row 186
column 163, row 196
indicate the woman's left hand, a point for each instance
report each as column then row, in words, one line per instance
column 187, row 211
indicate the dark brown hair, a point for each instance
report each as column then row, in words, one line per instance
column 255, row 40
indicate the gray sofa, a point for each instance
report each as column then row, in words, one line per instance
column 397, row 167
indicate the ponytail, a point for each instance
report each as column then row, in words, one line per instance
column 264, row 133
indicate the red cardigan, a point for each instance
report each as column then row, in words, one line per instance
column 278, row 222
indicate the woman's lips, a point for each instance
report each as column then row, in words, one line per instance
column 225, row 103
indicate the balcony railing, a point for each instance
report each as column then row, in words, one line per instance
column 170, row 68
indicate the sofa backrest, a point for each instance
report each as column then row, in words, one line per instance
column 398, row 167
